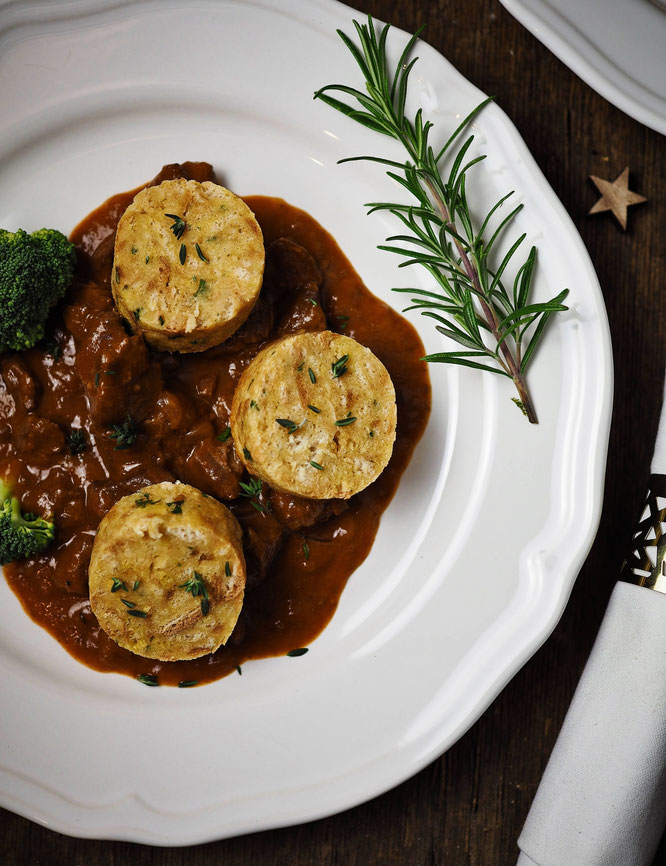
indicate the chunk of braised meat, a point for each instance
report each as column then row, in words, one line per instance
column 256, row 329
column 302, row 312
column 39, row 439
column 291, row 284
column 73, row 559
column 100, row 262
column 172, row 413
column 295, row 513
column 203, row 461
column 199, row 171
column 288, row 267
column 20, row 384
column 119, row 376
column 262, row 538
column 58, row 493
column 102, row 495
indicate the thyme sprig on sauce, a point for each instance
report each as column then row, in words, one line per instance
column 252, row 490
column 125, row 434
column 52, row 347
column 76, row 440
column 496, row 327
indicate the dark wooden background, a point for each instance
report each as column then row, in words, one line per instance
column 467, row 808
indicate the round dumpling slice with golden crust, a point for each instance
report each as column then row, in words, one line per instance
column 167, row 573
column 188, row 264
column 314, row 415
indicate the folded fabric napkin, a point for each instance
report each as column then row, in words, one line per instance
column 602, row 799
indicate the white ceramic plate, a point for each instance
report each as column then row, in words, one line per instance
column 476, row 555
column 617, row 46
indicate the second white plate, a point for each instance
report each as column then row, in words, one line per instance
column 617, row 47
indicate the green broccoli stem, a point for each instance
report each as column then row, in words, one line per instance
column 42, row 528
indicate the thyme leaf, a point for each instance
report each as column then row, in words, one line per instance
column 252, row 490
column 125, row 434
column 289, row 425
column 343, row 422
column 76, row 441
column 144, row 500
column 178, row 226
column 339, row 367
column 196, row 586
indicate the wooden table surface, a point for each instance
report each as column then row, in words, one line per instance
column 467, row 808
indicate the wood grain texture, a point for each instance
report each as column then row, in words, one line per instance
column 467, row 808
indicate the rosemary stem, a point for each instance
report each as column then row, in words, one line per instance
column 488, row 312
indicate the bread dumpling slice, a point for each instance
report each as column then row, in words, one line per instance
column 314, row 415
column 167, row 573
column 188, row 264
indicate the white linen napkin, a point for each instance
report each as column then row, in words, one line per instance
column 602, row 799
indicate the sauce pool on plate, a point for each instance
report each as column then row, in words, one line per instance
column 92, row 375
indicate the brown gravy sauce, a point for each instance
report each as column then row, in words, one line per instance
column 300, row 554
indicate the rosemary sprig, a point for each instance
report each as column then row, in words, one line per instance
column 497, row 328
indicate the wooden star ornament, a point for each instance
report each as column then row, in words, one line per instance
column 615, row 197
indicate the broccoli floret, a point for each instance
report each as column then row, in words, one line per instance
column 35, row 272
column 21, row 535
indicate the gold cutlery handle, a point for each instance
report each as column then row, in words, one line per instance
column 646, row 564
